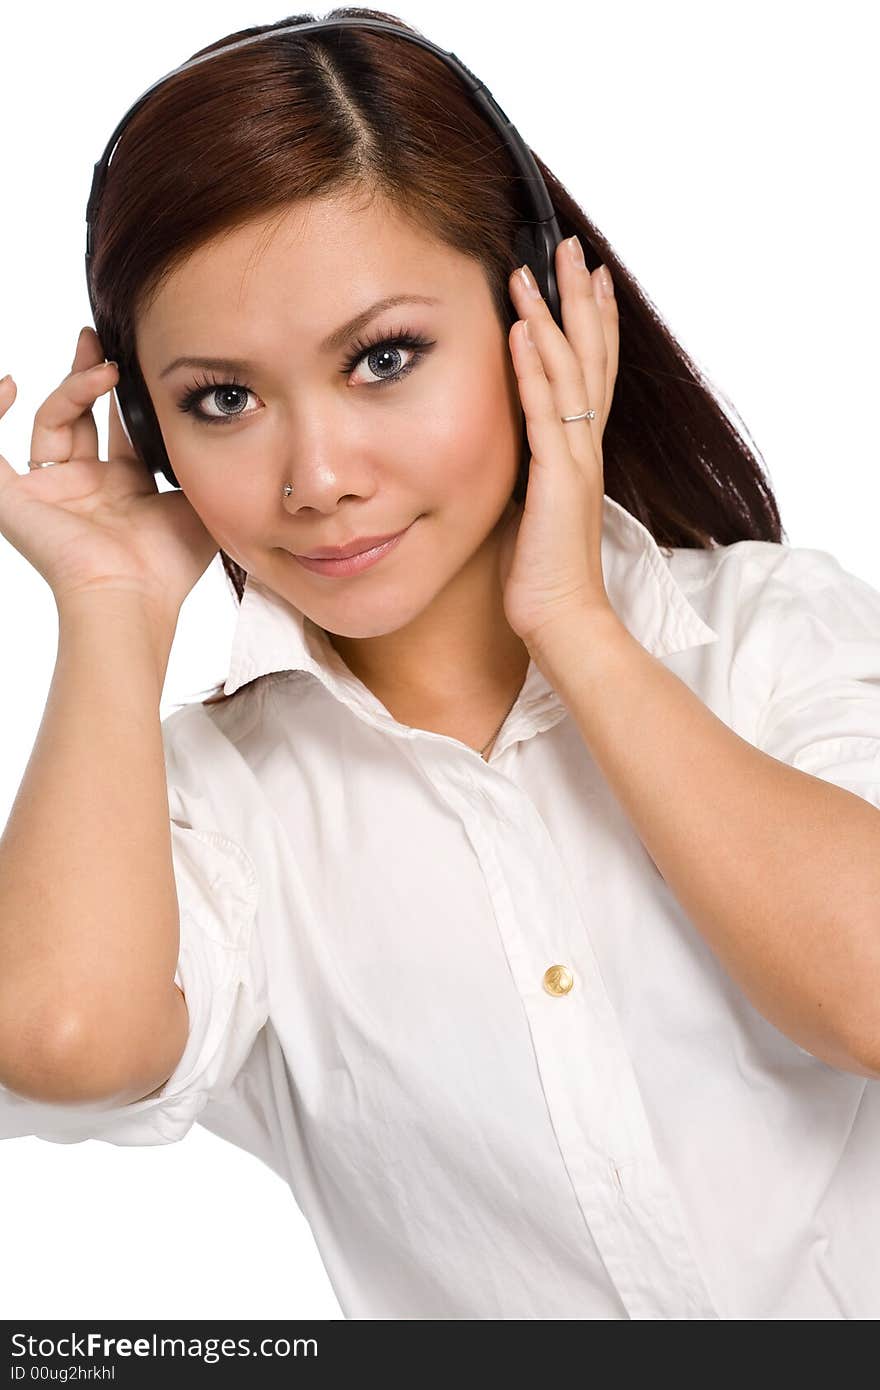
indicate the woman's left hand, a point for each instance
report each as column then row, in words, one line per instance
column 551, row 556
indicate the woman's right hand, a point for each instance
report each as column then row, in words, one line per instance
column 85, row 524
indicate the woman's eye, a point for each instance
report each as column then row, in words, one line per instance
column 382, row 359
column 218, row 396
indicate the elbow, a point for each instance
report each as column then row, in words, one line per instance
column 860, row 1052
column 52, row 1064
column 863, row 1036
column 867, row 1061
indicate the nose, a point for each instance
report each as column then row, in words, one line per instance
column 320, row 484
column 323, row 459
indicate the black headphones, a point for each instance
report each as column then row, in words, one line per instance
column 535, row 242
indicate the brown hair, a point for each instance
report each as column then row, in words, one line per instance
column 299, row 117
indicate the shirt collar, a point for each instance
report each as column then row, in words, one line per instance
column 271, row 635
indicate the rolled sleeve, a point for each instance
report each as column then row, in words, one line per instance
column 819, row 648
column 221, row 972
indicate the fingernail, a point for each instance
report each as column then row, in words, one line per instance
column 527, row 280
column 7, row 377
column 607, row 282
column 576, row 251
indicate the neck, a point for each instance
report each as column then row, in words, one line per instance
column 456, row 668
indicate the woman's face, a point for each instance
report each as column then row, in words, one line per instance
column 398, row 437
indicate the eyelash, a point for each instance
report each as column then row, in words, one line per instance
column 190, row 401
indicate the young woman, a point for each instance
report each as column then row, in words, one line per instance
column 516, row 900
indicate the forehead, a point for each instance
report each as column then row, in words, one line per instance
column 313, row 264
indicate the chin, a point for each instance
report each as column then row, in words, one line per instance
column 362, row 618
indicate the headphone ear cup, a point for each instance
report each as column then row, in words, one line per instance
column 140, row 424
column 526, row 250
column 535, row 246
column 529, row 250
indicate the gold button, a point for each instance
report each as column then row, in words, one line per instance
column 558, row 980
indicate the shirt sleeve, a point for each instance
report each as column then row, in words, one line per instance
column 221, row 972
column 819, row 650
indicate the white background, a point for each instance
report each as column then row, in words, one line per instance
column 725, row 151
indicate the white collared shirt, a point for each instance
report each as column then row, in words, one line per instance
column 372, row 920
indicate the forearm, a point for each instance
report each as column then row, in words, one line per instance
column 88, row 909
column 778, row 870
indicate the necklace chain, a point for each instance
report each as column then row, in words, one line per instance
column 500, row 727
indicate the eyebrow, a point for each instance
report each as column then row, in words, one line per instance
column 335, row 340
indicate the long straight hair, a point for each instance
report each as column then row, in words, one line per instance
column 301, row 117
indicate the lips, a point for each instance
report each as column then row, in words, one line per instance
column 354, row 564
column 355, row 547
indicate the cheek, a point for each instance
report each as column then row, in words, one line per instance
column 488, row 410
column 232, row 513
column 482, row 445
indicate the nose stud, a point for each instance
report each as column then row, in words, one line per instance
column 287, row 490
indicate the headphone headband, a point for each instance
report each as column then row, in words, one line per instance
column 538, row 238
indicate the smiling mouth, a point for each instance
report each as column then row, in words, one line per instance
column 357, row 547
column 352, row 564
